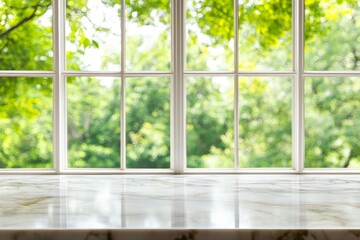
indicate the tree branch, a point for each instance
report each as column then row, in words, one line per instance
column 16, row 26
column 353, row 48
column 347, row 162
column 356, row 57
column 26, row 19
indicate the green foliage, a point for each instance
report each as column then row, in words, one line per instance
column 214, row 18
column 270, row 20
column 94, row 122
column 338, row 49
column 148, row 12
column 332, row 113
column 209, row 122
column 25, row 123
column 148, row 122
column 265, row 122
column 25, row 35
column 91, row 25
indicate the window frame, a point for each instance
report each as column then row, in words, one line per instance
column 177, row 74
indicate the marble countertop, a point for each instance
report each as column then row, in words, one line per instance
column 180, row 202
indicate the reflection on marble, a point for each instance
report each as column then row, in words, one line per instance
column 169, row 205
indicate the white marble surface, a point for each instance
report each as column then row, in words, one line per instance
column 180, row 202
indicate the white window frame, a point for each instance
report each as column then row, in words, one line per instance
column 178, row 97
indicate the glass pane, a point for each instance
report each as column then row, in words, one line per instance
column 265, row 35
column 148, row 122
column 210, row 124
column 210, row 35
column 25, row 35
column 26, row 122
column 93, row 122
column 93, row 35
column 148, row 35
column 265, row 122
column 332, row 35
column 332, row 122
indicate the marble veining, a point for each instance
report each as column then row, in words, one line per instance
column 180, row 202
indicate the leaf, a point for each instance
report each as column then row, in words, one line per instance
column 95, row 43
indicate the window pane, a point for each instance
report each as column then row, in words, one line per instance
column 25, row 35
column 148, row 35
column 265, row 35
column 265, row 122
column 210, row 124
column 332, row 122
column 148, row 122
column 26, row 123
column 210, row 35
column 332, row 35
column 93, row 35
column 93, row 122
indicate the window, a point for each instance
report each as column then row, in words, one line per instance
column 179, row 86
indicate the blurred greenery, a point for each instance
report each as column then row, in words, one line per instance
column 265, row 108
column 332, row 122
column 210, row 134
column 148, row 122
column 265, row 122
column 25, row 122
column 93, row 122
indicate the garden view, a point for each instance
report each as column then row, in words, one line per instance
column 93, row 37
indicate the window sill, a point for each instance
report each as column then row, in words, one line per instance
column 171, row 205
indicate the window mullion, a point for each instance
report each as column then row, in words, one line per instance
column 236, row 84
column 298, row 86
column 59, row 88
column 178, row 152
column 123, row 89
